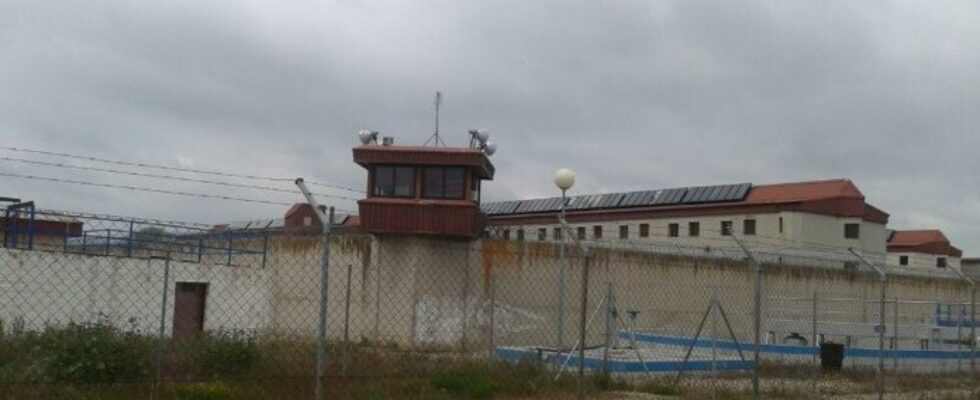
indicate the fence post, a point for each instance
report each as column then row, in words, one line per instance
column 756, row 314
column 584, row 311
column 129, row 242
column 161, row 339
column 883, row 280
column 973, row 331
column 321, row 341
column 493, row 311
column 895, row 337
column 816, row 349
column 608, row 331
column 229, row 248
column 346, row 359
column 265, row 247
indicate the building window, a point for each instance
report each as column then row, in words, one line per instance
column 941, row 262
column 726, row 228
column 693, row 229
column 506, row 234
column 673, row 230
column 597, row 231
column 780, row 224
column 520, row 235
column 624, row 232
column 556, row 233
column 903, row 260
column 852, row 231
column 392, row 181
column 581, row 233
column 443, row 182
column 644, row 230
column 748, row 227
column 542, row 234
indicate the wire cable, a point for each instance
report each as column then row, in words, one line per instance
column 171, row 168
column 145, row 189
column 171, row 177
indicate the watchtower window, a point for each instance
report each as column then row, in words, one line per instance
column 392, row 181
column 443, row 182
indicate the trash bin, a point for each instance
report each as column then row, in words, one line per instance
column 831, row 356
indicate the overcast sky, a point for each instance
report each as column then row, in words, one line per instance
column 629, row 94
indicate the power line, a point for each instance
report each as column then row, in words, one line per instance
column 171, row 168
column 144, row 189
column 171, row 177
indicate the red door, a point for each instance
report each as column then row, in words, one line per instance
column 189, row 305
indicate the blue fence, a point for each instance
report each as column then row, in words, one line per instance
column 24, row 227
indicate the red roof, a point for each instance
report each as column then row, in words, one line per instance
column 930, row 241
column 803, row 191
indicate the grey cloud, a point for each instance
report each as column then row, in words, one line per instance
column 629, row 94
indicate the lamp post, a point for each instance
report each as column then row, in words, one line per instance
column 564, row 179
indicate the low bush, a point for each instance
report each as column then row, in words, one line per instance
column 93, row 352
column 224, row 354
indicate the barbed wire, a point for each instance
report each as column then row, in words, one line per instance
column 172, row 168
column 170, row 177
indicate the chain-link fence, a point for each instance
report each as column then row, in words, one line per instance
column 107, row 307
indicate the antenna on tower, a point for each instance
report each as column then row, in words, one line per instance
column 435, row 139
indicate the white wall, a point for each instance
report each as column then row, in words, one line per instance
column 921, row 260
column 48, row 288
column 801, row 231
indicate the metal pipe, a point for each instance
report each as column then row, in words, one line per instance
column 321, row 341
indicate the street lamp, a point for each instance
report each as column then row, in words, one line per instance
column 564, row 179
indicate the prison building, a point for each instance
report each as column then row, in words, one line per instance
column 815, row 215
column 922, row 248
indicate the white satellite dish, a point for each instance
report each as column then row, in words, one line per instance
column 489, row 148
column 482, row 135
column 367, row 136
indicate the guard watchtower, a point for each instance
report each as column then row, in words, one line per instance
column 424, row 190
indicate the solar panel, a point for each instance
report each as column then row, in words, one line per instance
column 670, row 196
column 500, row 207
column 743, row 190
column 715, row 193
column 583, row 202
column 692, row 195
column 633, row 199
column 726, row 192
column 610, row 200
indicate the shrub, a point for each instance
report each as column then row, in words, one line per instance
column 93, row 352
column 467, row 382
column 203, row 391
column 225, row 354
